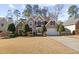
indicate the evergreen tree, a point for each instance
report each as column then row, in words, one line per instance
column 12, row 28
column 27, row 11
column 73, row 10
column 26, row 29
column 60, row 28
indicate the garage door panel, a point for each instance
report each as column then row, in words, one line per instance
column 52, row 31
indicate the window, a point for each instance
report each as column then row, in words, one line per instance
column 38, row 23
column 30, row 24
column 2, row 24
column 52, row 23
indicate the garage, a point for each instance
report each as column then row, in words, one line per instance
column 52, row 31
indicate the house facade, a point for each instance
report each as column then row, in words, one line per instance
column 3, row 24
column 37, row 22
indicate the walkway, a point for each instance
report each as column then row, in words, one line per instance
column 67, row 41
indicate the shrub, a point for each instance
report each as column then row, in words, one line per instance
column 16, row 34
column 60, row 28
column 44, row 29
column 12, row 35
column 40, row 30
column 26, row 29
column 11, row 28
column 20, row 32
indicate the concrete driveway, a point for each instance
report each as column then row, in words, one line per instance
column 68, row 41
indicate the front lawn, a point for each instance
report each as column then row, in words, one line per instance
column 33, row 45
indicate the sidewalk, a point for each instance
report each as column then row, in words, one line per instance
column 70, row 42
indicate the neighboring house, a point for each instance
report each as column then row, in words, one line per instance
column 72, row 25
column 36, row 23
column 4, row 22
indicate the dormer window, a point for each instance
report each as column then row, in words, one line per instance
column 52, row 23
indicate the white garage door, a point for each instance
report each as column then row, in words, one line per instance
column 52, row 31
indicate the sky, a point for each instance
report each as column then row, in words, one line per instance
column 5, row 7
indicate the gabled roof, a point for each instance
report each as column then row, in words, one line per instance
column 45, row 18
column 39, row 17
column 51, row 26
column 31, row 18
column 20, row 21
column 3, row 19
column 20, row 24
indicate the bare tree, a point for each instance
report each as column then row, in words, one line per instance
column 9, row 14
column 44, row 11
column 57, row 10
column 17, row 13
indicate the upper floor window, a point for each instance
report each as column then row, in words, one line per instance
column 30, row 24
column 38, row 23
column 52, row 23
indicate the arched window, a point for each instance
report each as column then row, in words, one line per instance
column 30, row 23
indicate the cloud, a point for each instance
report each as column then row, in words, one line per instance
column 12, row 6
